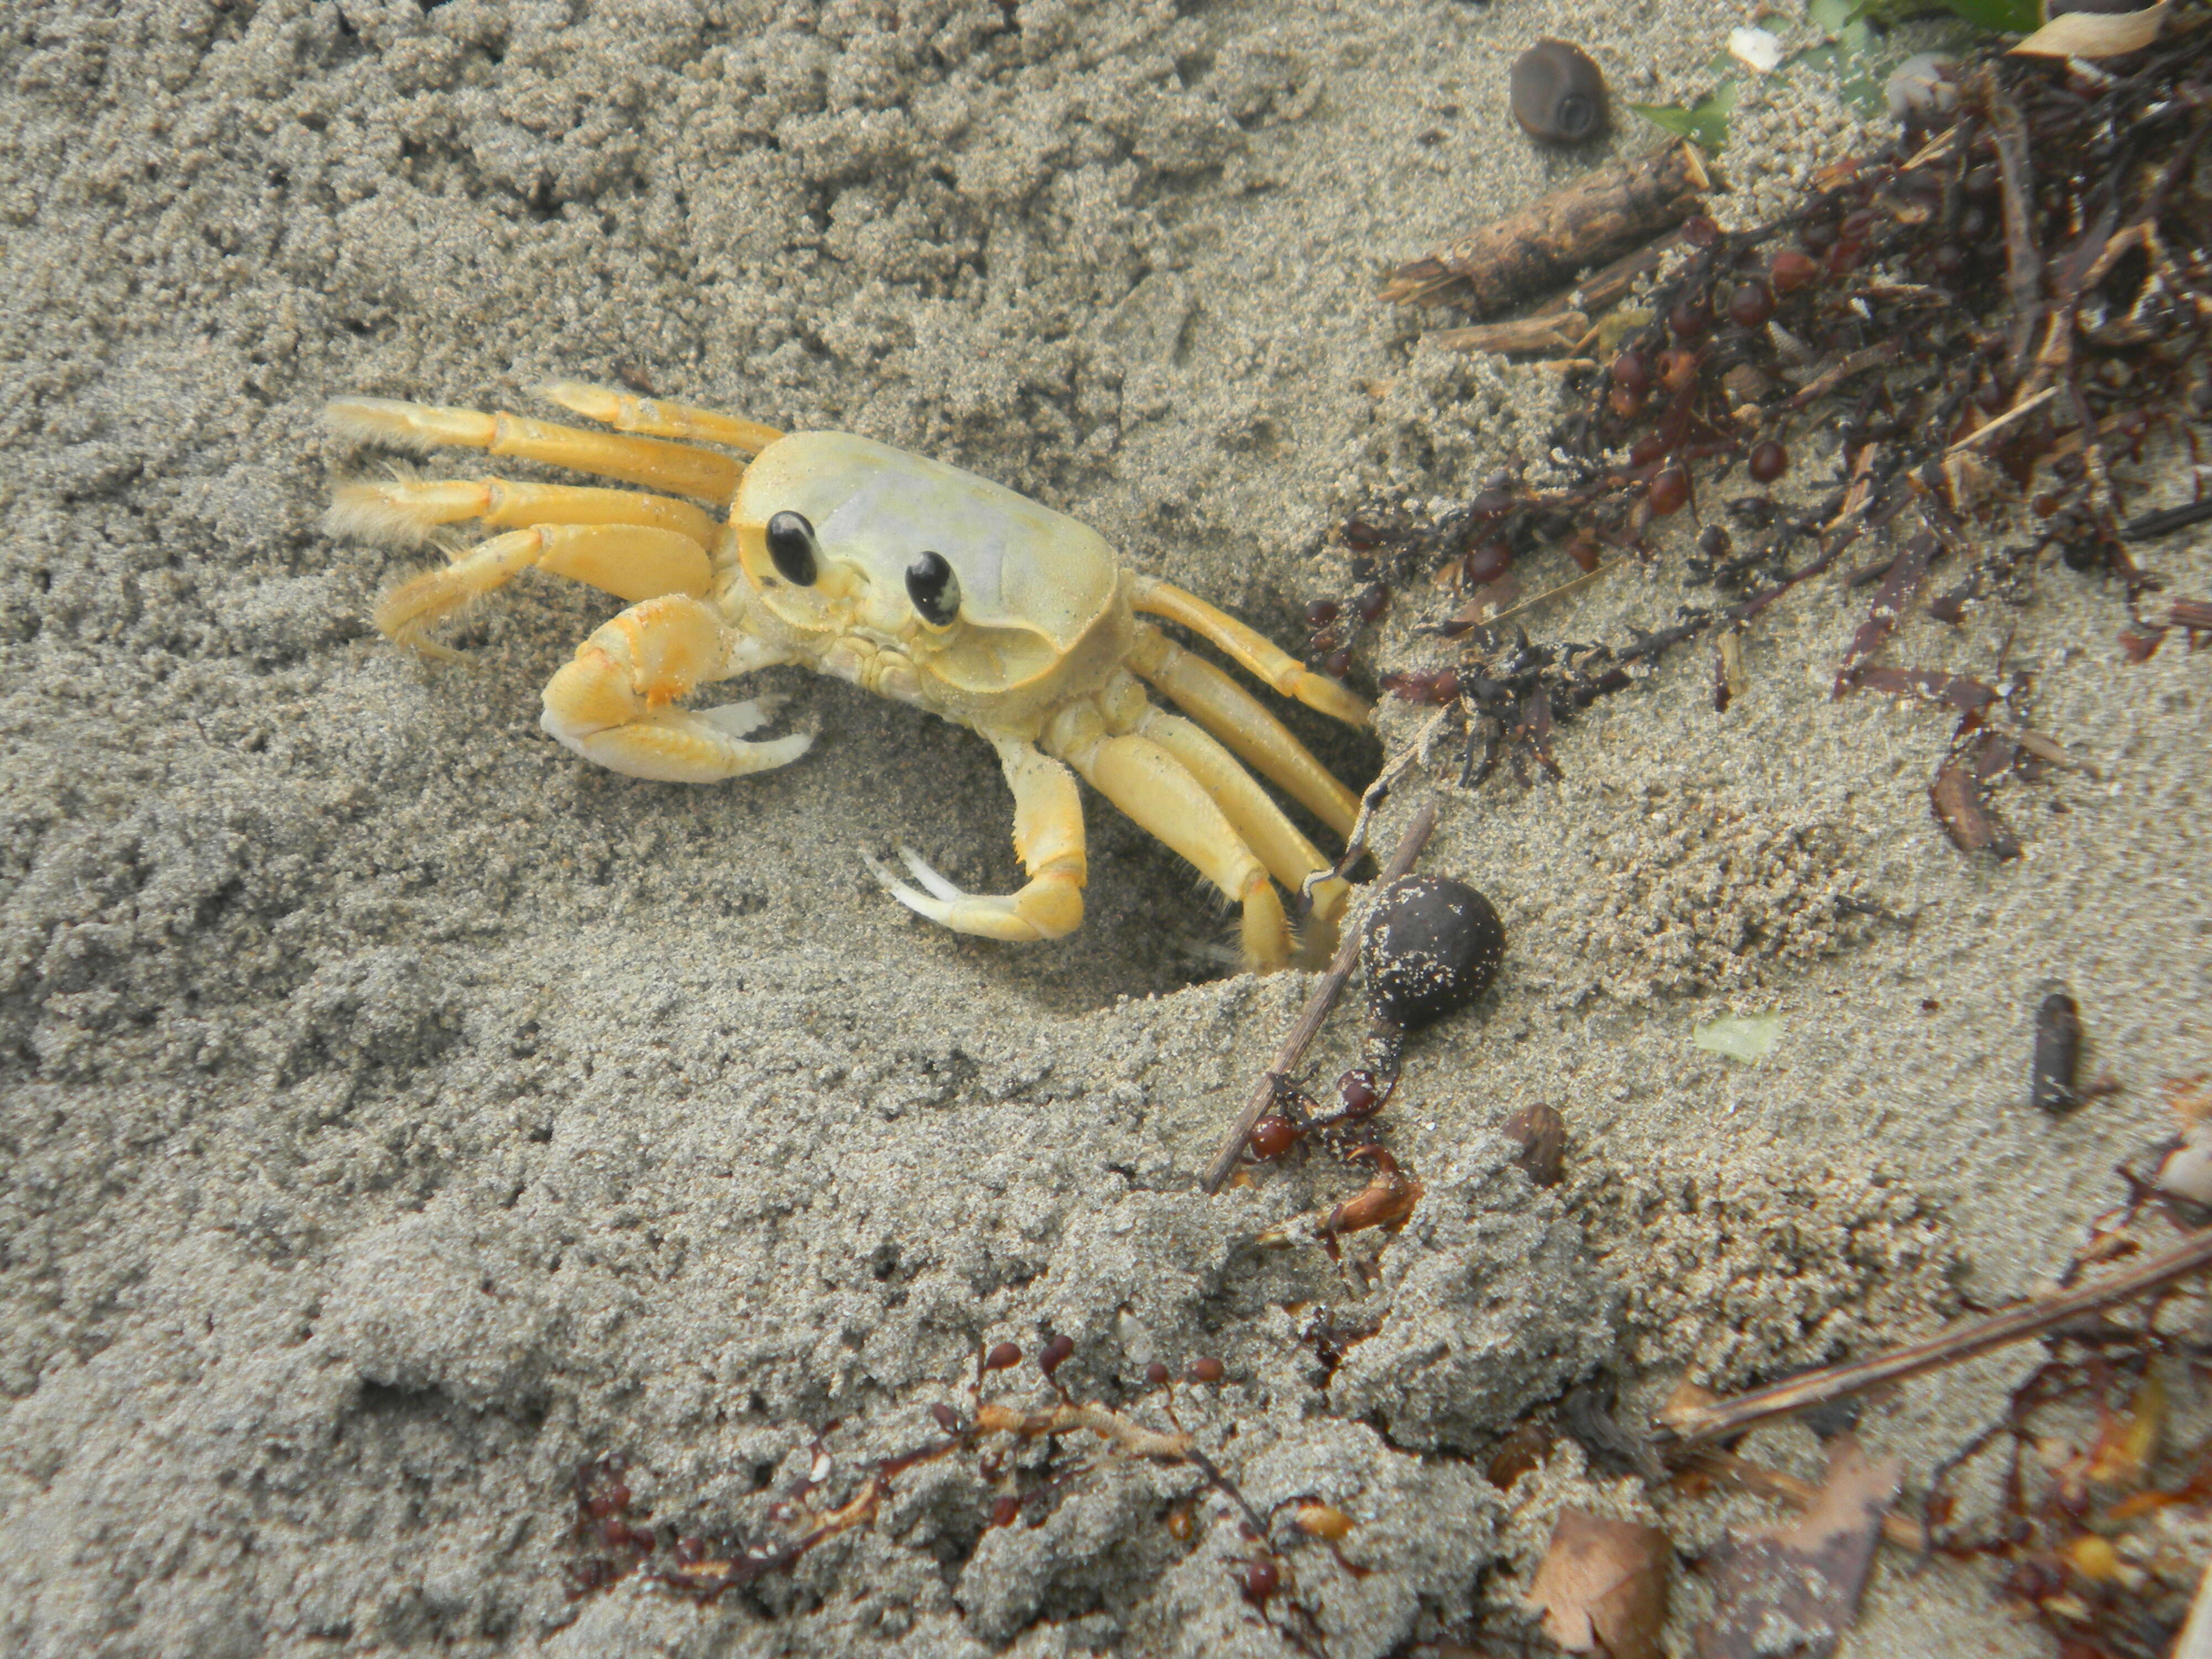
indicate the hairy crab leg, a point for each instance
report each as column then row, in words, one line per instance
column 625, row 413
column 614, row 703
column 1253, row 651
column 679, row 469
column 1160, row 796
column 1239, row 720
column 1259, row 823
column 403, row 511
column 1049, row 839
column 631, row 562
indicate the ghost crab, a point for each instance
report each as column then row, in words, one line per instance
column 912, row 579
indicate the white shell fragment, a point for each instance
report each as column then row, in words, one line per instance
column 1916, row 87
column 1759, row 49
column 2186, row 1171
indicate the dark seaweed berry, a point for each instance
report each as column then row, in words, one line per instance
column 1670, row 490
column 1261, row 1579
column 1751, row 304
column 1792, row 270
column 1273, row 1135
column 1487, row 560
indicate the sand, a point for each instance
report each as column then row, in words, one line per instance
column 398, row 1112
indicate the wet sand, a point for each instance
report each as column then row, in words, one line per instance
column 398, row 1112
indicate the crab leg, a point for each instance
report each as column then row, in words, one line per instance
column 614, row 703
column 1258, row 822
column 1239, row 720
column 1253, row 651
column 680, row 469
column 1048, row 839
column 631, row 562
column 660, row 420
column 403, row 511
column 1158, row 794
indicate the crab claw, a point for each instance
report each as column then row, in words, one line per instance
column 1049, row 907
column 615, row 703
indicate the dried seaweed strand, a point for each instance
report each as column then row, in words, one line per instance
column 2015, row 174
column 1309, row 1022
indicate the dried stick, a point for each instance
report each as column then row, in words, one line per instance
column 1542, row 245
column 1415, row 753
column 1316, row 1010
column 1982, row 435
column 1544, row 330
column 1685, row 1428
column 1564, row 324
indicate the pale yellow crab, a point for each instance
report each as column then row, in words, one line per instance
column 909, row 578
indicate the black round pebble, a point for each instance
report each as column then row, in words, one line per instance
column 1556, row 93
column 1430, row 945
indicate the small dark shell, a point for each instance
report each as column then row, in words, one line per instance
column 2058, row 1063
column 1431, row 945
column 1541, row 1134
column 1557, row 94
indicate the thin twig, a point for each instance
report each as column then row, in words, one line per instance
column 1316, row 1010
column 1371, row 802
column 1981, row 434
column 1690, row 1427
column 1566, row 586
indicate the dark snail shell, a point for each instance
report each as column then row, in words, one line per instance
column 1557, row 94
column 1430, row 945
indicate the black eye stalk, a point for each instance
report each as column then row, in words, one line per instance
column 791, row 543
column 934, row 590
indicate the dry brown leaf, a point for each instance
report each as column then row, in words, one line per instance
column 1603, row 1582
column 1793, row 1589
column 2096, row 34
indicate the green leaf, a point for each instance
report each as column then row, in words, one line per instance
column 1844, row 21
column 1705, row 123
column 1746, row 1037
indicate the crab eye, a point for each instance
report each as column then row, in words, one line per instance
column 791, row 543
column 934, row 590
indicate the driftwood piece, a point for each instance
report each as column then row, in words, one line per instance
column 1552, row 332
column 1562, row 326
column 1603, row 214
